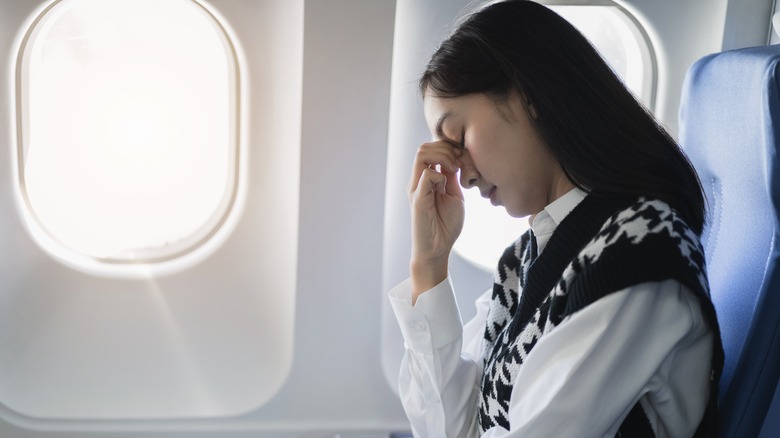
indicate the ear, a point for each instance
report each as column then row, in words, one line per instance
column 530, row 107
column 532, row 111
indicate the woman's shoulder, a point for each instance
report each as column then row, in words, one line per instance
column 647, row 217
column 647, row 234
column 647, row 240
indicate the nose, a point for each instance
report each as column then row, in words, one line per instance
column 469, row 177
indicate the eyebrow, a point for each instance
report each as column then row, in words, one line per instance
column 439, row 130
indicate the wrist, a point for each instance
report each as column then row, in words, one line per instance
column 425, row 275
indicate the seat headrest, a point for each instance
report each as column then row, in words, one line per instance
column 729, row 123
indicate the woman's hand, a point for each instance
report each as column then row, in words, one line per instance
column 437, row 213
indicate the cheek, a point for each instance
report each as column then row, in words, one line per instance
column 485, row 152
column 488, row 167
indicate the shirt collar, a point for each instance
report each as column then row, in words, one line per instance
column 561, row 207
column 547, row 220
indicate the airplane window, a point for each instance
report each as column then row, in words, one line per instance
column 128, row 143
column 620, row 40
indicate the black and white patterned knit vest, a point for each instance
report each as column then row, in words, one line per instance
column 602, row 246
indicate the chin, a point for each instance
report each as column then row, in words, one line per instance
column 516, row 213
column 520, row 211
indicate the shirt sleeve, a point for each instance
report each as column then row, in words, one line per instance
column 648, row 343
column 442, row 365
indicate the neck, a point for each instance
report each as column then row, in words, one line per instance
column 561, row 185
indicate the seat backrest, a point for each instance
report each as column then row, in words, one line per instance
column 729, row 126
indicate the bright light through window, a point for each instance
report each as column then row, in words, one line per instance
column 488, row 230
column 619, row 42
column 129, row 135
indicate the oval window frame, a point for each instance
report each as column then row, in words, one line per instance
column 164, row 258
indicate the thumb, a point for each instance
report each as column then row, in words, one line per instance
column 452, row 186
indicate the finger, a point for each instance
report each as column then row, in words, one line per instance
column 440, row 153
column 430, row 155
column 434, row 162
column 430, row 183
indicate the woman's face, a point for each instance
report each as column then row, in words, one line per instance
column 502, row 154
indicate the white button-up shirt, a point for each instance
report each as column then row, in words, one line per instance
column 648, row 343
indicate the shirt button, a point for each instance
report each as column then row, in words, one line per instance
column 420, row 327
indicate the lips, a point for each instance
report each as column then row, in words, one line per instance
column 488, row 194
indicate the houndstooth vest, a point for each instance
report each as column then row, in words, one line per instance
column 602, row 246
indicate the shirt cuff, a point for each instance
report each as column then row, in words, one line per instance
column 433, row 322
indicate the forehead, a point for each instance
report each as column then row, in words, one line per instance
column 435, row 108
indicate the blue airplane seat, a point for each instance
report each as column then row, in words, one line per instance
column 730, row 129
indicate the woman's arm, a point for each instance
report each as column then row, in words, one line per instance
column 440, row 372
column 437, row 213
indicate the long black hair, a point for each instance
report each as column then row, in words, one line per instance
column 603, row 138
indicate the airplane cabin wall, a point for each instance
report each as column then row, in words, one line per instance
column 684, row 31
column 323, row 176
column 350, row 245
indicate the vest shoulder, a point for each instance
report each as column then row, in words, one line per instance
column 646, row 218
column 646, row 241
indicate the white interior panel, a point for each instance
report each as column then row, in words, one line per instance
column 212, row 340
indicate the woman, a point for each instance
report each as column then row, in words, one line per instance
column 599, row 322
